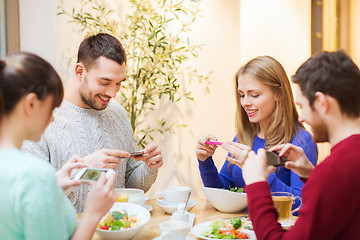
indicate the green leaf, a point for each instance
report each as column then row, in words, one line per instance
column 155, row 54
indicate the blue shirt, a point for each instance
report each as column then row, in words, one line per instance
column 32, row 204
column 283, row 180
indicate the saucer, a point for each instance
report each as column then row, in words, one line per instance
column 148, row 207
column 187, row 238
column 170, row 209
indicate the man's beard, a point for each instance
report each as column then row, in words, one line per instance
column 320, row 132
column 91, row 102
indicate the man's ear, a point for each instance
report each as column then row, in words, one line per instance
column 30, row 103
column 321, row 102
column 79, row 71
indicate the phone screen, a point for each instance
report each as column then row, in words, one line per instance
column 91, row 174
column 275, row 160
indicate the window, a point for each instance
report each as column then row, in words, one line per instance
column 329, row 25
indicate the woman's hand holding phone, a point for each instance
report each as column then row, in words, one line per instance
column 101, row 195
column 63, row 175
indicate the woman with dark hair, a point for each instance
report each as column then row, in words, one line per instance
column 32, row 203
column 265, row 116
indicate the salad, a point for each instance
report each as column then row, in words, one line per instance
column 226, row 229
column 238, row 190
column 118, row 220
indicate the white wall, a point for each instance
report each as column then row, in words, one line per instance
column 233, row 31
column 279, row 28
column 37, row 31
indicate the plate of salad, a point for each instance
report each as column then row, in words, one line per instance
column 123, row 221
column 118, row 220
column 223, row 229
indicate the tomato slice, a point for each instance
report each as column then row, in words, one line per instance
column 104, row 227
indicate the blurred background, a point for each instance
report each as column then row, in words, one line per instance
column 230, row 32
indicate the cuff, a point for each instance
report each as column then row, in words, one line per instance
column 257, row 190
column 208, row 163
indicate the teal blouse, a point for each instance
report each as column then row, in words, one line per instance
column 32, row 204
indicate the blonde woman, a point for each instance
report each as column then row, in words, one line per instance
column 265, row 116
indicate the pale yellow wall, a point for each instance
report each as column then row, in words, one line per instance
column 232, row 31
column 354, row 41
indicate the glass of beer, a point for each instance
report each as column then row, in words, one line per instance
column 283, row 202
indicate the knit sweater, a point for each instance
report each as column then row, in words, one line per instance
column 80, row 131
column 32, row 205
column 331, row 197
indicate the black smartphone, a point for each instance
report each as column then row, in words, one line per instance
column 275, row 160
column 137, row 153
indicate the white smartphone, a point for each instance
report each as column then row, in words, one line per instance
column 92, row 174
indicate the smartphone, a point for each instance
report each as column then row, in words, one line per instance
column 213, row 143
column 275, row 160
column 137, row 153
column 92, row 174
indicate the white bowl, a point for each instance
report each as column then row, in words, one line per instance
column 170, row 209
column 132, row 209
column 135, row 195
column 224, row 200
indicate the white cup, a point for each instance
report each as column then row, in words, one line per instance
column 136, row 196
column 173, row 195
column 174, row 230
column 182, row 216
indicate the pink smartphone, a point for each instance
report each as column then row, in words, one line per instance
column 213, row 143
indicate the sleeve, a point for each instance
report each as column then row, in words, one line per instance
column 212, row 178
column 138, row 174
column 324, row 190
column 42, row 207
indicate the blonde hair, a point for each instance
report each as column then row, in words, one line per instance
column 283, row 127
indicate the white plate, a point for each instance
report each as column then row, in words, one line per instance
column 170, row 209
column 198, row 229
column 187, row 238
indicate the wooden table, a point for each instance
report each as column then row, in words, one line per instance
column 204, row 212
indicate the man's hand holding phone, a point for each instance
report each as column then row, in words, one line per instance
column 106, row 158
column 151, row 155
column 275, row 160
column 298, row 162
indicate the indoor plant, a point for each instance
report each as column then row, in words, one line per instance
column 154, row 34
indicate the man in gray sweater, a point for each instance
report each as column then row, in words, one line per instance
column 89, row 124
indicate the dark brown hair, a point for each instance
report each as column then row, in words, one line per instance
column 23, row 73
column 334, row 74
column 100, row 45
